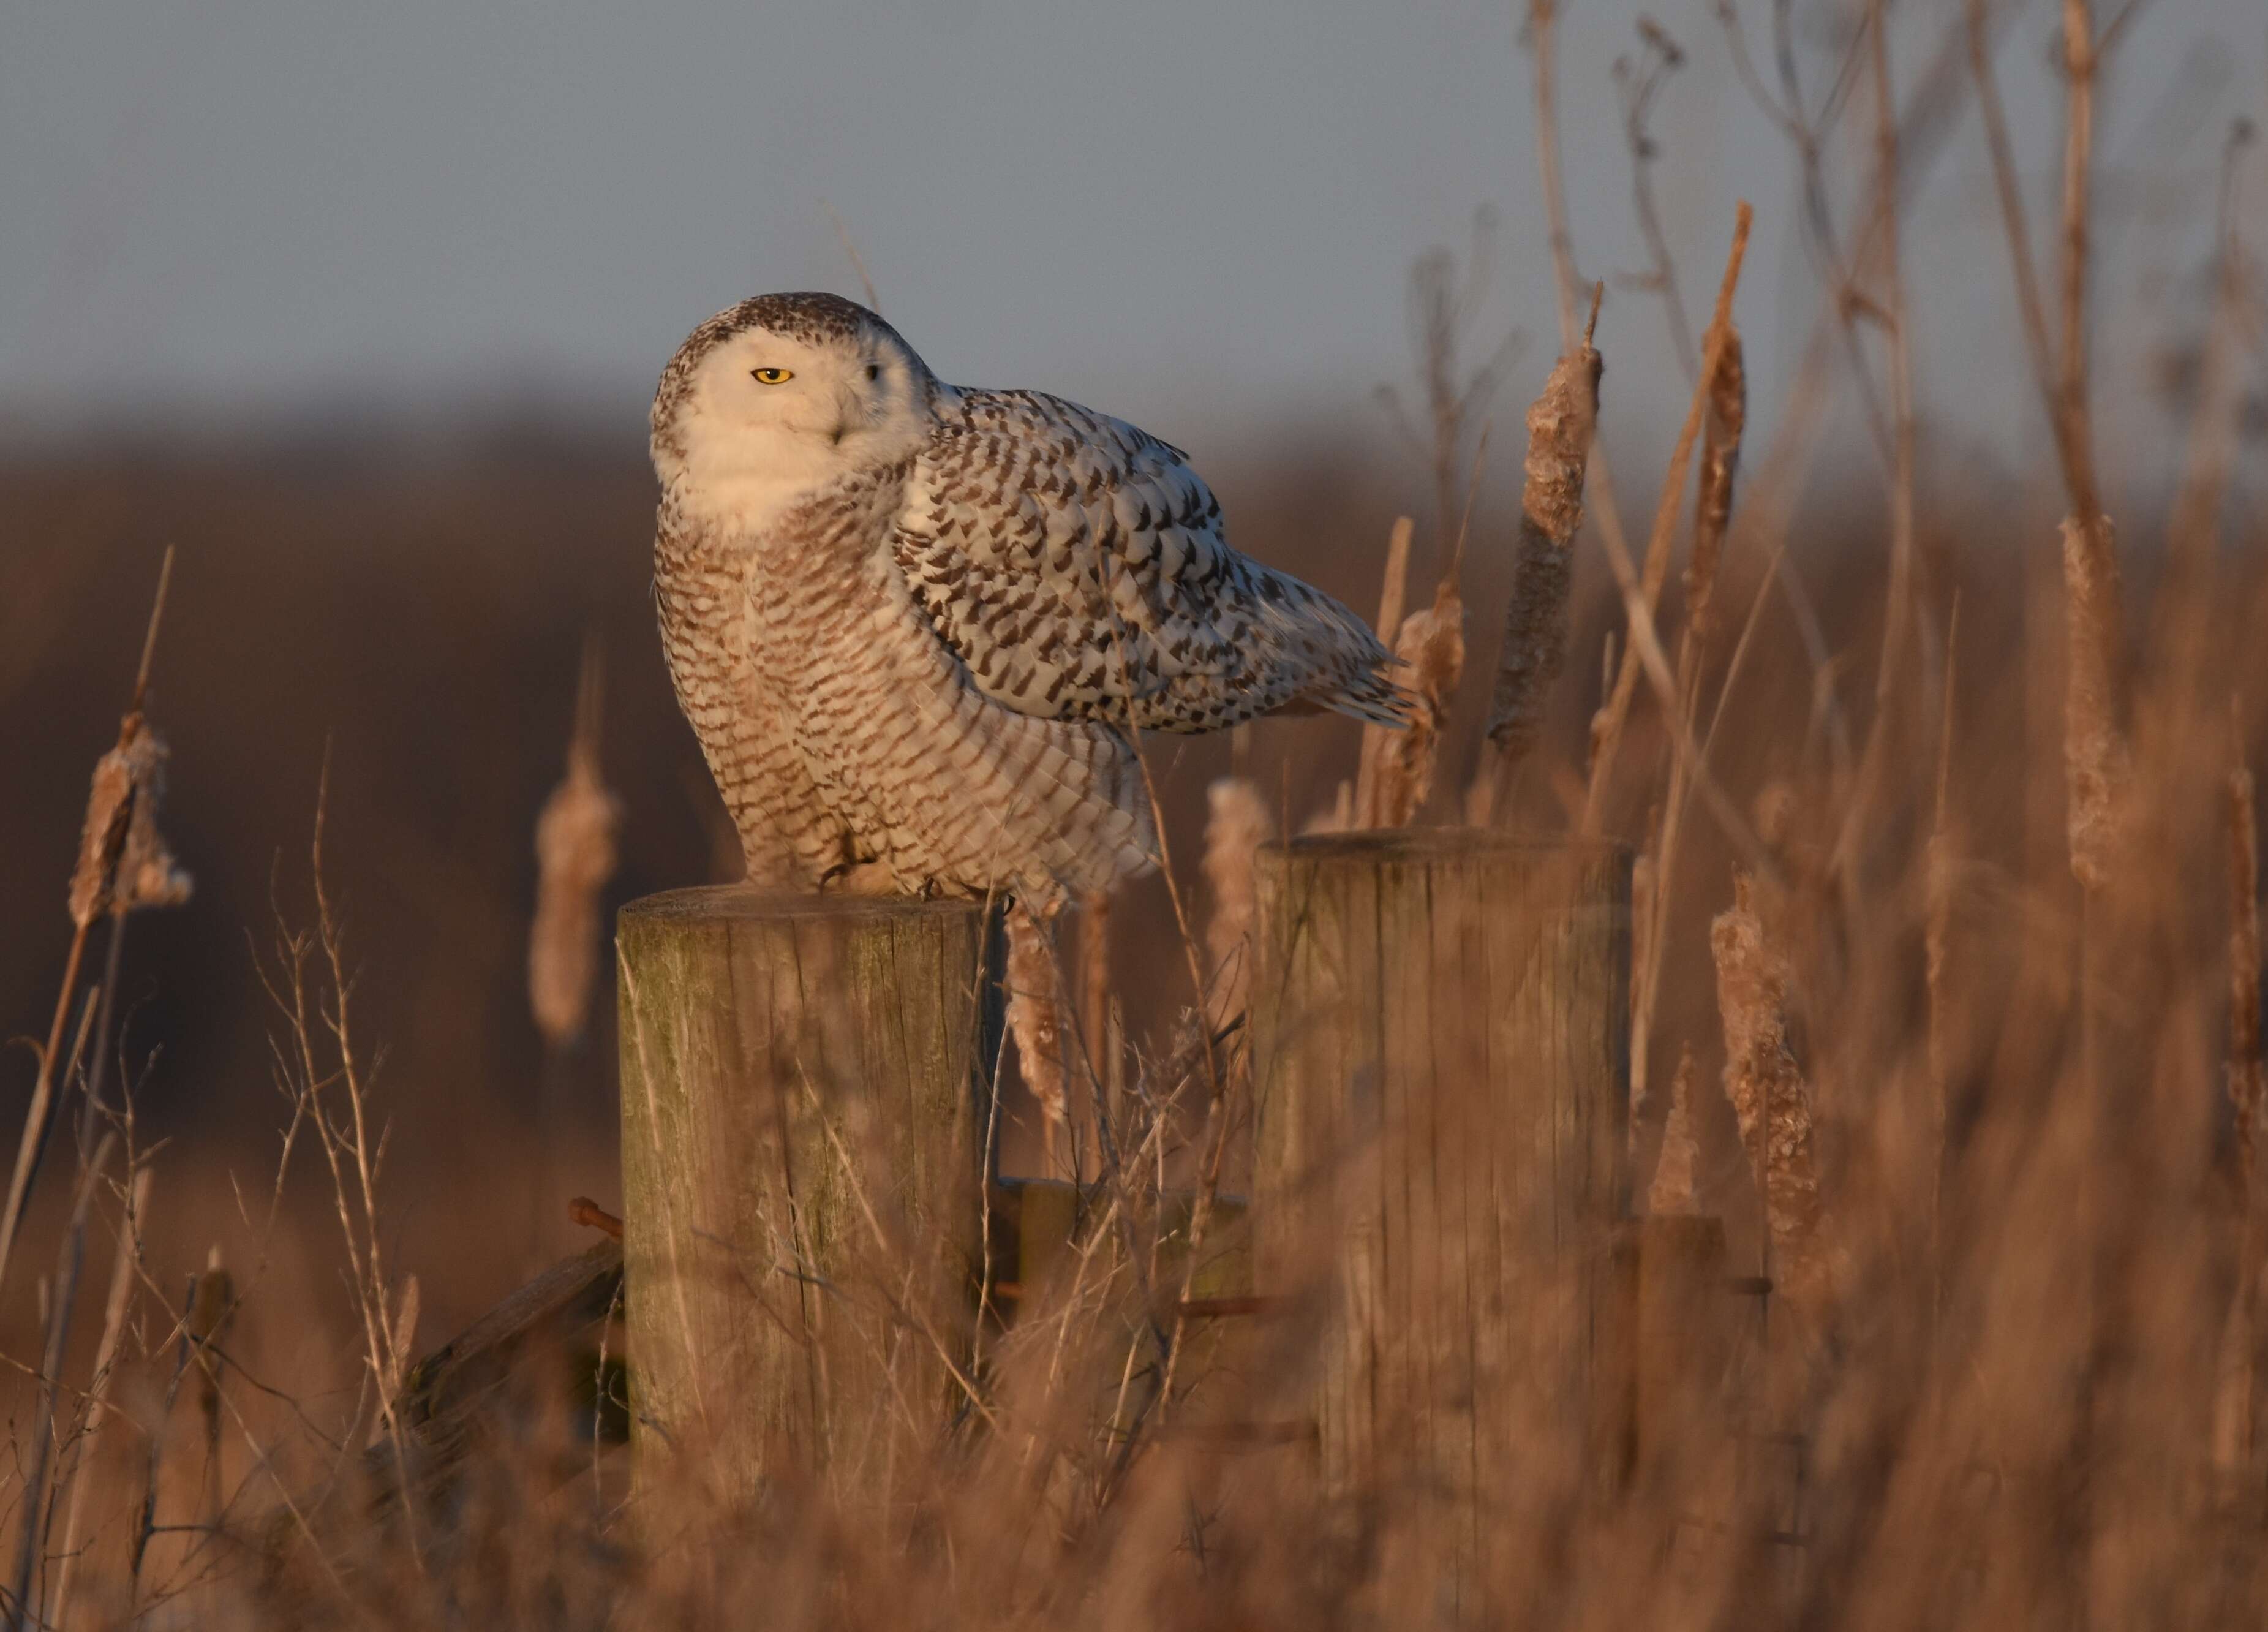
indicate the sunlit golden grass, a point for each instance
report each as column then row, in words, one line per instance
column 1946, row 1067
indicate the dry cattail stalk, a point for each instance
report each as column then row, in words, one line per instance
column 121, row 779
column 1433, row 644
column 1940, row 866
column 1766, row 1087
column 1378, row 741
column 1235, row 829
column 1036, row 1015
column 1559, row 430
column 1607, row 726
column 2246, row 1089
column 1643, row 882
column 2242, row 1357
column 1713, row 509
column 400, row 1334
column 1672, row 1190
column 575, row 857
column 1774, row 813
column 1720, row 455
column 98, row 1389
column 109, row 807
column 210, row 1313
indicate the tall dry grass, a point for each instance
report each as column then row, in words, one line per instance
column 1988, row 1127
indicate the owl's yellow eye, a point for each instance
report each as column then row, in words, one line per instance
column 774, row 376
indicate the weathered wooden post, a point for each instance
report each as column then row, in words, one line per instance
column 804, row 1155
column 1440, row 1069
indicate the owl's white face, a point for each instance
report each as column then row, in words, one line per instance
column 770, row 416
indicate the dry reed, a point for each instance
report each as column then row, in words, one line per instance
column 575, row 854
column 2247, row 1088
column 1940, row 869
column 1712, row 507
column 1433, row 644
column 1907, row 1506
column 1094, row 982
column 1671, row 1193
column 1377, row 741
column 2095, row 748
column 1338, row 816
column 97, row 1411
column 1727, row 388
column 1606, row 725
column 1237, row 825
column 118, row 831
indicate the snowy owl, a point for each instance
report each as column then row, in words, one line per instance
column 917, row 627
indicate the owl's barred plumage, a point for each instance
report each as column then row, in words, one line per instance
column 915, row 626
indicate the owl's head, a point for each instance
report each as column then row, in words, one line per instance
column 783, row 392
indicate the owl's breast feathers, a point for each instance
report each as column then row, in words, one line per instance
column 1076, row 566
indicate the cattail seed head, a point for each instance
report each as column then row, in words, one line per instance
column 1035, row 1011
column 1766, row 1087
column 1672, row 1190
column 575, row 855
column 1559, row 429
column 1431, row 643
column 123, row 861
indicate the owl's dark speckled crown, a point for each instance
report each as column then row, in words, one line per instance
column 800, row 314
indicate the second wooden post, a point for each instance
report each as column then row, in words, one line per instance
column 803, row 1152
column 1440, row 1055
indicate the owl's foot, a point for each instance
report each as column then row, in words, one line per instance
column 862, row 878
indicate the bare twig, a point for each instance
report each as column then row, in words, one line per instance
column 1897, row 613
column 850, row 249
column 1638, row 84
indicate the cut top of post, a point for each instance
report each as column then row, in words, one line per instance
column 748, row 901
column 1447, row 843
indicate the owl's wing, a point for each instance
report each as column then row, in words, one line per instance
column 1076, row 567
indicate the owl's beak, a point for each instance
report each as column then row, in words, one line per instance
column 850, row 415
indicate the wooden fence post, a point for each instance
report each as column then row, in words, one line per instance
column 804, row 1085
column 1439, row 1047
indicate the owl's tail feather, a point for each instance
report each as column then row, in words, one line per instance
column 1372, row 697
column 1368, row 695
column 1345, row 666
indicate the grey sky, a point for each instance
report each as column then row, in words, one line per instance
column 1199, row 216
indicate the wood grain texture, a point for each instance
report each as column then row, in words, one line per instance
column 1440, row 1068
column 804, row 1154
